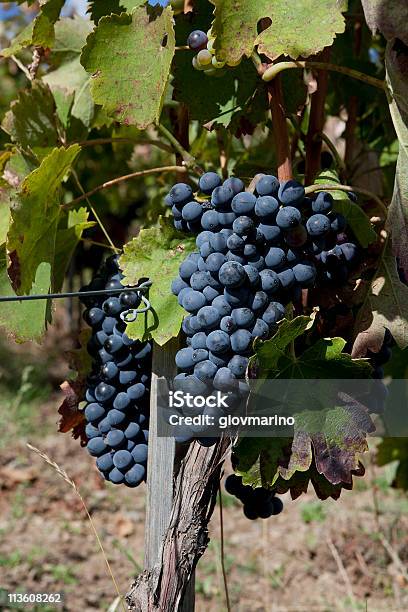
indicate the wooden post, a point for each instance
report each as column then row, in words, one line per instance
column 160, row 471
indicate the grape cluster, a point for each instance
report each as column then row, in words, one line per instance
column 258, row 503
column 206, row 60
column 117, row 394
column 256, row 252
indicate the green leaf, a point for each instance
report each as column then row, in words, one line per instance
column 356, row 217
column 385, row 306
column 126, row 82
column 219, row 101
column 397, row 222
column 43, row 31
column 156, row 253
column 35, row 216
column 69, row 81
column 298, row 29
column 31, row 121
column 22, row 40
column 326, row 439
column 40, row 31
column 67, row 239
column 5, row 198
column 25, row 321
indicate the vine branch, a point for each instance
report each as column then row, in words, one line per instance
column 280, row 130
column 272, row 72
column 122, row 179
column 188, row 159
column 316, row 123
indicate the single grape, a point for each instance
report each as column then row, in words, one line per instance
column 232, row 274
column 210, row 180
column 267, row 185
column 243, row 203
column 218, row 342
column 318, row 225
column 291, row 193
column 241, row 341
column 323, row 203
column 181, row 193
column 288, row 218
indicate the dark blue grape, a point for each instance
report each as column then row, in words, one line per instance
column 113, row 344
column 135, row 475
column 115, row 438
column 226, row 219
column 219, row 242
column 121, row 401
column 350, row 252
column 238, row 365
column 209, row 220
column 241, row 341
column 323, row 203
column 243, row 317
column 215, row 261
column 221, row 197
column 193, row 300
column 127, row 377
column 232, row 274
column 104, row 392
column 208, row 317
column 291, row 193
column 210, row 294
column 221, row 304
column 271, row 233
column 260, row 330
column 139, row 453
column 269, row 281
column 200, row 355
column 184, row 359
column 205, row 370
column 267, row 185
column 266, row 208
column 275, row 258
column 130, row 299
column 112, row 306
column 228, row 325
column 96, row 446
column 224, row 380
column 218, row 342
column 180, row 193
column 198, row 40
column 243, row 225
column 288, row 217
column 192, row 211
column 202, row 238
column 318, row 225
column 274, row 313
column 115, row 417
column 208, row 182
column 243, row 203
column 305, row 274
column 136, row 391
column 235, row 184
column 94, row 412
column 104, row 463
column 91, row 431
column 108, row 325
column 199, row 341
column 286, row 278
column 187, row 268
column 236, row 257
column 123, row 460
column 94, row 316
column 115, row 476
column 132, row 431
column 259, row 301
column 104, row 426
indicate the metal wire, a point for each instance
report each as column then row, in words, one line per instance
column 73, row 294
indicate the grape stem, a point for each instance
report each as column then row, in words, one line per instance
column 122, row 179
column 348, row 188
column 271, row 72
column 95, row 214
column 188, row 160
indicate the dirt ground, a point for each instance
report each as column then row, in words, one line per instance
column 314, row 557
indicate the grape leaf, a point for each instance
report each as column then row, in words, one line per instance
column 69, row 78
column 35, row 214
column 68, row 235
column 43, row 31
column 388, row 17
column 395, row 449
column 397, row 222
column 31, row 121
column 24, row 321
column 327, row 440
column 120, row 46
column 156, row 253
column 22, row 40
column 100, row 8
column 39, row 32
column 5, row 198
column 385, row 306
column 298, row 29
column 356, row 217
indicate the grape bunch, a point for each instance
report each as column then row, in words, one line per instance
column 206, row 60
column 255, row 254
column 117, row 394
column 258, row 503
